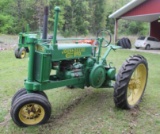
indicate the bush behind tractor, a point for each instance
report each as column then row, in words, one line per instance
column 52, row 65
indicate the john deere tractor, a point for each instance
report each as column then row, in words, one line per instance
column 52, row 65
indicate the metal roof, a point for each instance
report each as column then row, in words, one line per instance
column 126, row 8
column 143, row 18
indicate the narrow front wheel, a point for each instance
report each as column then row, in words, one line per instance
column 23, row 91
column 30, row 109
column 16, row 52
column 22, row 53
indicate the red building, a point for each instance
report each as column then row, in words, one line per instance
column 140, row 10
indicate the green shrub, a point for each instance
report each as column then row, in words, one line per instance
column 6, row 24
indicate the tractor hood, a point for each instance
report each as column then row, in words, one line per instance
column 72, row 51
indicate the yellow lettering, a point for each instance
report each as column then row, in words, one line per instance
column 73, row 52
column 69, row 55
column 77, row 54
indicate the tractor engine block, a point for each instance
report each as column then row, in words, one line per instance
column 70, row 69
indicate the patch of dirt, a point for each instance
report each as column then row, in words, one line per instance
column 71, row 106
column 4, row 46
column 66, row 111
column 6, row 120
column 8, row 42
column 133, row 120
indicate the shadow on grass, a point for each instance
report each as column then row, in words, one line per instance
column 91, row 100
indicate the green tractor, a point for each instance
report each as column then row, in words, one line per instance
column 73, row 65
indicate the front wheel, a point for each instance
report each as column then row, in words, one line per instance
column 131, row 82
column 30, row 109
column 16, row 52
column 22, row 53
column 23, row 91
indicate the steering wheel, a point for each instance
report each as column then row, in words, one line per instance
column 106, row 35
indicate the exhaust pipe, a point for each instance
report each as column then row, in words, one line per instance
column 57, row 10
column 45, row 23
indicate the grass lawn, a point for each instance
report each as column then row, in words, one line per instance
column 83, row 111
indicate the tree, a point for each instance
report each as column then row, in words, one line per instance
column 62, row 5
column 76, row 18
column 6, row 28
column 98, row 20
column 6, row 20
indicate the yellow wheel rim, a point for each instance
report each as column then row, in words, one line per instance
column 137, row 84
column 31, row 114
column 23, row 54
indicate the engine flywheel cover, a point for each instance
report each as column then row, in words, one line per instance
column 97, row 76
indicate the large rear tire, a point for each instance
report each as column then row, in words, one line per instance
column 30, row 109
column 131, row 82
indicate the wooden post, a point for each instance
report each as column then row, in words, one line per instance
column 116, row 30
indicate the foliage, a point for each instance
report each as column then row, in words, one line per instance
column 77, row 17
column 133, row 27
column 7, row 28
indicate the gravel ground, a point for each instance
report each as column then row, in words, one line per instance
column 10, row 42
column 155, row 51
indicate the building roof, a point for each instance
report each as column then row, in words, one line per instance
column 126, row 8
column 139, row 10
